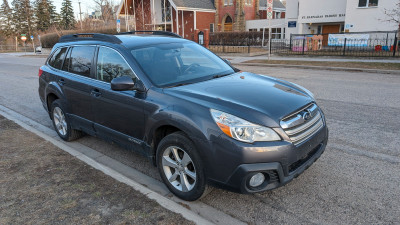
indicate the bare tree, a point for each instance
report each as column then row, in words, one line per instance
column 106, row 8
column 393, row 15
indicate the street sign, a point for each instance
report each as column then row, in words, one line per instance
column 23, row 38
column 118, row 25
column 31, row 37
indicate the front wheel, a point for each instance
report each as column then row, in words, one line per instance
column 181, row 168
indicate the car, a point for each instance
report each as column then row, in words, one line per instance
column 201, row 121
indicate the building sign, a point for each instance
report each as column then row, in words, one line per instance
column 323, row 16
column 359, row 40
column 292, row 24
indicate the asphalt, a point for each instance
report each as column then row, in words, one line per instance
column 356, row 181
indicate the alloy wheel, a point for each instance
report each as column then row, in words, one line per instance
column 60, row 121
column 179, row 169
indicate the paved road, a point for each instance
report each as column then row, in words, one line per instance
column 356, row 181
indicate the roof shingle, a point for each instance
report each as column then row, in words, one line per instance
column 198, row 4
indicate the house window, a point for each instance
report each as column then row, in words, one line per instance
column 276, row 33
column 211, row 27
column 228, row 2
column 166, row 10
column 367, row 3
column 277, row 15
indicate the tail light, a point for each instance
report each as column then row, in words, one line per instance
column 40, row 71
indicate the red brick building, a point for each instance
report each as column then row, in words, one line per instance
column 185, row 16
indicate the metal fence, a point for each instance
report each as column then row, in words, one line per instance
column 367, row 44
column 12, row 48
column 371, row 44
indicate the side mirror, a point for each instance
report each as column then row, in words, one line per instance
column 124, row 83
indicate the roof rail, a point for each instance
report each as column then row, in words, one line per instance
column 154, row 32
column 90, row 37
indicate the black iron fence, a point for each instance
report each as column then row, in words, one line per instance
column 371, row 44
column 368, row 44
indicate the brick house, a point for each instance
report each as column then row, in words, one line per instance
column 185, row 16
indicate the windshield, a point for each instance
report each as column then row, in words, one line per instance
column 179, row 63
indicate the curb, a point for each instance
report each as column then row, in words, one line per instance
column 197, row 211
column 396, row 72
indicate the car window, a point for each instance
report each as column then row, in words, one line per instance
column 179, row 63
column 80, row 60
column 110, row 65
column 57, row 59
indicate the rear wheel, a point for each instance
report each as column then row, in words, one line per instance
column 61, row 123
column 181, row 168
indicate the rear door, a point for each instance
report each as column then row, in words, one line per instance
column 118, row 114
column 76, row 84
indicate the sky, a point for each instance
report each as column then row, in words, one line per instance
column 87, row 6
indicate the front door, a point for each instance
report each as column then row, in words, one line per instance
column 118, row 114
column 329, row 29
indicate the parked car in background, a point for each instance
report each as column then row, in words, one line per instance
column 196, row 117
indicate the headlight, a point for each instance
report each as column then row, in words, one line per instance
column 241, row 129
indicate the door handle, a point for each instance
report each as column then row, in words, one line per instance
column 61, row 82
column 96, row 93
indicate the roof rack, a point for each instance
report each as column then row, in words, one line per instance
column 90, row 37
column 154, row 32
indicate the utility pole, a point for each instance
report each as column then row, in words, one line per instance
column 80, row 14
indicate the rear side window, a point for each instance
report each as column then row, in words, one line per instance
column 79, row 60
column 110, row 65
column 57, row 59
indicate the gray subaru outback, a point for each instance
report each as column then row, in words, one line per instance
column 200, row 120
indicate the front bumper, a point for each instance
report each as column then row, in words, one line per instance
column 274, row 172
column 233, row 163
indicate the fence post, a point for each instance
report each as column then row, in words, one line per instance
column 304, row 43
column 344, row 47
column 394, row 46
column 248, row 46
column 290, row 44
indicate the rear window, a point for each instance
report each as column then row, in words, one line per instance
column 57, row 59
column 79, row 60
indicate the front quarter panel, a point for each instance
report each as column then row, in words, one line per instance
column 195, row 120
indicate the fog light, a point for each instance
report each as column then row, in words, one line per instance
column 257, row 179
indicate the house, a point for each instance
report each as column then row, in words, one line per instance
column 185, row 16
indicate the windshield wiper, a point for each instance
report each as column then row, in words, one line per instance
column 178, row 85
column 221, row 75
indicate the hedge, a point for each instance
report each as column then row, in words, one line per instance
column 245, row 38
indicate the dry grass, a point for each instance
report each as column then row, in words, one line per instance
column 41, row 184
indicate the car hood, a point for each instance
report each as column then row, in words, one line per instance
column 257, row 98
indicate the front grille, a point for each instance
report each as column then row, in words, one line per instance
column 303, row 124
column 294, row 166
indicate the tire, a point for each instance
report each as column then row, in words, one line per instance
column 61, row 122
column 188, row 169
